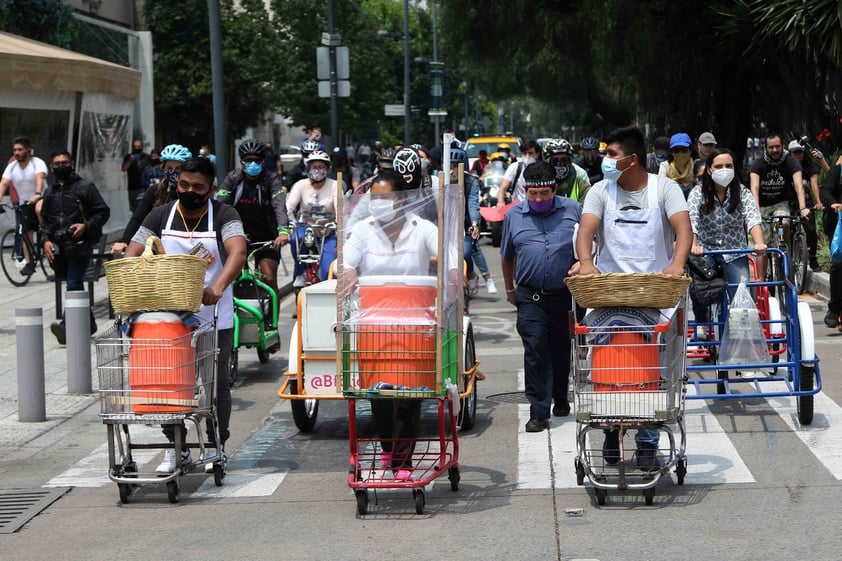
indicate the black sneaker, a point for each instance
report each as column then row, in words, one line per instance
column 561, row 409
column 537, row 425
column 58, row 331
column 830, row 319
column 647, row 457
column 28, row 269
column 814, row 263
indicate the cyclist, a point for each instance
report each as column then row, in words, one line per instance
column 810, row 182
column 591, row 160
column 339, row 163
column 530, row 151
column 312, row 201
column 775, row 180
column 572, row 180
column 299, row 171
column 259, row 197
column 159, row 192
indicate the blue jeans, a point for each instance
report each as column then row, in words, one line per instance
column 70, row 264
column 543, row 327
column 479, row 259
column 328, row 253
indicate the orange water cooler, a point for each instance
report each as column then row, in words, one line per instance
column 627, row 363
column 396, row 336
column 162, row 364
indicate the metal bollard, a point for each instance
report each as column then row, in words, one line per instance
column 29, row 339
column 77, row 314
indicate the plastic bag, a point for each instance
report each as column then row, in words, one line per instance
column 836, row 242
column 743, row 341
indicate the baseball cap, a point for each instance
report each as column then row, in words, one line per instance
column 707, row 138
column 681, row 139
column 794, row 146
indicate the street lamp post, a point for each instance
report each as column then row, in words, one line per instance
column 407, row 109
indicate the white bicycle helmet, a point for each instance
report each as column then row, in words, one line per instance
column 318, row 156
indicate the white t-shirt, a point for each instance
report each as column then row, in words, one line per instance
column 24, row 178
column 519, row 192
column 670, row 199
column 368, row 249
column 309, row 204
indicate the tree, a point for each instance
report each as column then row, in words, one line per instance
column 183, row 96
column 48, row 21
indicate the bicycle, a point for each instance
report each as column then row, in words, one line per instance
column 798, row 255
column 19, row 255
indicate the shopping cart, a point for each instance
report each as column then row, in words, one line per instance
column 629, row 378
column 151, row 381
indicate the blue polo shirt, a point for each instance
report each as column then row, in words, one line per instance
column 542, row 244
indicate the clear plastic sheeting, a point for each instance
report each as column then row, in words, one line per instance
column 400, row 285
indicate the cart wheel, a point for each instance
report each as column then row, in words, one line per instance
column 600, row 496
column 580, row 472
column 649, row 495
column 125, row 492
column 233, row 366
column 262, row 355
column 468, row 410
column 218, row 473
column 304, row 411
column 454, row 477
column 805, row 402
column 680, row 471
column 172, row 491
column 362, row 501
column 420, row 501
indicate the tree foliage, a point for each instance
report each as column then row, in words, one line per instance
column 183, row 88
column 679, row 65
column 48, row 21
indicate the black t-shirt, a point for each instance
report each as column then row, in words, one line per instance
column 250, row 208
column 776, row 180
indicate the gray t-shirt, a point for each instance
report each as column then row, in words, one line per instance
column 670, row 199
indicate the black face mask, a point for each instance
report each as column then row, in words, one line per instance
column 62, row 173
column 190, row 200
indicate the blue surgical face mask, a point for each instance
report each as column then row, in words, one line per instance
column 609, row 168
column 253, row 168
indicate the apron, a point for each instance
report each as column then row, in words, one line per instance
column 622, row 250
column 179, row 242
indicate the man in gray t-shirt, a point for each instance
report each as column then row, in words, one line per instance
column 670, row 201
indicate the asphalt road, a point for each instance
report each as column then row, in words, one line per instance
column 758, row 486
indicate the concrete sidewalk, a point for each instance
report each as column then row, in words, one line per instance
column 60, row 405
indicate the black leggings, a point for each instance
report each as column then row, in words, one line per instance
column 397, row 422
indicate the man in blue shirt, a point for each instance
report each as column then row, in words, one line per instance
column 537, row 251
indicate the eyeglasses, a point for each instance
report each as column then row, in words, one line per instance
column 252, row 160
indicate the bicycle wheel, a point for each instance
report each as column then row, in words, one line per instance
column 12, row 257
column 798, row 268
column 775, row 273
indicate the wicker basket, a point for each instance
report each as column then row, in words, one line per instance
column 629, row 290
column 156, row 282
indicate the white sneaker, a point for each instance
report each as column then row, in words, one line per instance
column 490, row 286
column 298, row 281
column 211, row 453
column 168, row 464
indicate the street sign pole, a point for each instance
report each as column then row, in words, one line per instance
column 334, row 105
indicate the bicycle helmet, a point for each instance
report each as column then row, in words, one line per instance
column 590, row 143
column 175, row 152
column 556, row 146
column 407, row 163
column 458, row 156
column 318, row 156
column 309, row 147
column 339, row 153
column 252, row 147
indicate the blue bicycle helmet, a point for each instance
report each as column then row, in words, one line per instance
column 590, row 143
column 458, row 156
column 175, row 152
